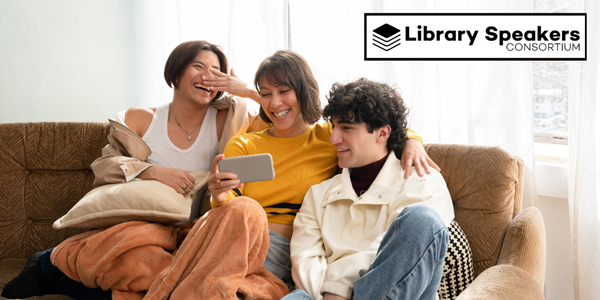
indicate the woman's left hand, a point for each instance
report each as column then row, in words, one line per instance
column 232, row 84
column 414, row 154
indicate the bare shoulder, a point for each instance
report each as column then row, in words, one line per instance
column 139, row 118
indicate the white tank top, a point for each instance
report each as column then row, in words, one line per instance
column 195, row 158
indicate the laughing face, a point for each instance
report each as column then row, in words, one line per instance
column 189, row 83
column 280, row 104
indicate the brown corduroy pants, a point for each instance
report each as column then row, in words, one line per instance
column 221, row 257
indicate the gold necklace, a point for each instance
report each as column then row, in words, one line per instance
column 189, row 138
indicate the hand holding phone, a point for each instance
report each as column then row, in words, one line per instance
column 249, row 168
column 220, row 183
column 230, row 173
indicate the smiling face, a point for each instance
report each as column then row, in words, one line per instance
column 356, row 147
column 188, row 84
column 281, row 106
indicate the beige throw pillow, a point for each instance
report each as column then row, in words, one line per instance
column 140, row 200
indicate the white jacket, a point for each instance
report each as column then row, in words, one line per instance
column 337, row 234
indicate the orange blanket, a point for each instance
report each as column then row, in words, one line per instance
column 221, row 257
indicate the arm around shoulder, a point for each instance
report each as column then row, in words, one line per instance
column 413, row 135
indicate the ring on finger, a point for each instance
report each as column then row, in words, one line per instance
column 185, row 187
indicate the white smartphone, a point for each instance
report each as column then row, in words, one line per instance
column 249, row 168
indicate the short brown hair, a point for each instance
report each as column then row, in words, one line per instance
column 288, row 68
column 184, row 54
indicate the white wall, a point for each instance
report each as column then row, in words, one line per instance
column 69, row 60
column 551, row 175
column 559, row 256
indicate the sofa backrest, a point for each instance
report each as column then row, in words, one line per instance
column 44, row 171
column 486, row 187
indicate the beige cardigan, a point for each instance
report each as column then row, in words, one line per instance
column 337, row 234
column 125, row 156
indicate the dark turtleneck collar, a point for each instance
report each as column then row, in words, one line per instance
column 363, row 177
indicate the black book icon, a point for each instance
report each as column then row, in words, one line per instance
column 386, row 37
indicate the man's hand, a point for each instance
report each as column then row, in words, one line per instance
column 219, row 184
column 414, row 154
column 330, row 296
column 230, row 84
column 180, row 180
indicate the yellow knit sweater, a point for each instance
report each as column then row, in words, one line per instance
column 299, row 162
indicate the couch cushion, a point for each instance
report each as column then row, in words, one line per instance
column 503, row 282
column 140, row 200
column 483, row 185
column 458, row 264
column 524, row 244
column 44, row 170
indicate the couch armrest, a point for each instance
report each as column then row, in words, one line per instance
column 504, row 282
column 524, row 244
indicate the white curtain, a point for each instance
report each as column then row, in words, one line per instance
column 476, row 103
column 584, row 151
column 248, row 31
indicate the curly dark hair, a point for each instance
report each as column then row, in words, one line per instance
column 374, row 103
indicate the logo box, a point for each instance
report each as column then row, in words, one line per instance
column 475, row 36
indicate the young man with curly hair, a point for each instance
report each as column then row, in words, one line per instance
column 370, row 233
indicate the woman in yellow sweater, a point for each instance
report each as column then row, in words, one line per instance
column 300, row 147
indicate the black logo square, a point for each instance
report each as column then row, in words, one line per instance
column 386, row 37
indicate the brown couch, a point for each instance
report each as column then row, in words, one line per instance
column 45, row 170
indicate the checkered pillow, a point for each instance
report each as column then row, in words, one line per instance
column 458, row 264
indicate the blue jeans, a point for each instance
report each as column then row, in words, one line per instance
column 409, row 261
column 278, row 259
